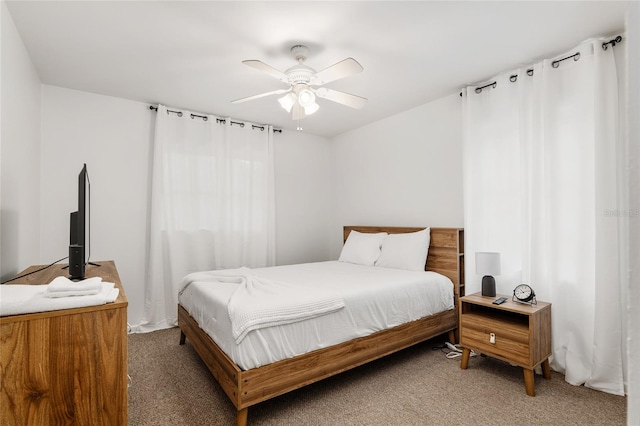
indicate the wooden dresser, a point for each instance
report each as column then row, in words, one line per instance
column 67, row 366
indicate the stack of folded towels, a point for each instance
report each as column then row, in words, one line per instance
column 61, row 293
column 64, row 287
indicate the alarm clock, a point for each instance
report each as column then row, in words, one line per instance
column 524, row 294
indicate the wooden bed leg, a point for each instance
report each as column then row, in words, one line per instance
column 183, row 338
column 452, row 336
column 241, row 419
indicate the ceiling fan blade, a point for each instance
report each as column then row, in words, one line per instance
column 267, row 69
column 342, row 69
column 250, row 98
column 347, row 99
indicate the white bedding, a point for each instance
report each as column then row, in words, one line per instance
column 259, row 303
column 375, row 299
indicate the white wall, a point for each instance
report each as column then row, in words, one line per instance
column 114, row 137
column 405, row 170
column 19, row 153
column 303, row 195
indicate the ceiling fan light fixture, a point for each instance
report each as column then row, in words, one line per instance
column 308, row 110
column 298, row 112
column 299, row 99
column 306, row 98
column 287, row 101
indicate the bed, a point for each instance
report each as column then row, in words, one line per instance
column 247, row 386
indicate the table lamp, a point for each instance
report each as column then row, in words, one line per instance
column 488, row 264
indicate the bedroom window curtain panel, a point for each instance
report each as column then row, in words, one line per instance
column 212, row 205
column 544, row 185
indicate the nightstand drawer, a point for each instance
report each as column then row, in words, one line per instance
column 511, row 337
column 505, row 348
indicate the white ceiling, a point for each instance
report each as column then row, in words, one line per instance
column 188, row 54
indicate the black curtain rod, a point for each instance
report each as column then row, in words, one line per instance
column 218, row 120
column 479, row 89
column 222, row 120
column 556, row 63
column 178, row 113
column 513, row 78
column 204, row 117
column 576, row 56
column 612, row 42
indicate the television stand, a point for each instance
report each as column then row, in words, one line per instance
column 69, row 365
column 81, row 276
column 88, row 263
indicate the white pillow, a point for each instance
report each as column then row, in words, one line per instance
column 362, row 248
column 405, row 251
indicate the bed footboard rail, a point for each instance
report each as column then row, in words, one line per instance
column 225, row 371
column 250, row 387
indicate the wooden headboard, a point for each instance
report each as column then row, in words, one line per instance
column 446, row 250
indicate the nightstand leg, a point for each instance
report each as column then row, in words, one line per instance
column 464, row 361
column 546, row 369
column 529, row 383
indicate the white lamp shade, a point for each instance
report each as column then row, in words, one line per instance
column 306, row 98
column 287, row 101
column 308, row 110
column 487, row 263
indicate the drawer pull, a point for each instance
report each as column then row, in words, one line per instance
column 492, row 338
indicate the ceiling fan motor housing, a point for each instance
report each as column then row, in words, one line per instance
column 300, row 73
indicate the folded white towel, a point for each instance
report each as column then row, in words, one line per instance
column 49, row 293
column 24, row 299
column 65, row 284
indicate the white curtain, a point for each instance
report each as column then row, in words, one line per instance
column 633, row 140
column 544, row 185
column 212, row 204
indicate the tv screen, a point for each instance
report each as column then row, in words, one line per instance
column 79, row 230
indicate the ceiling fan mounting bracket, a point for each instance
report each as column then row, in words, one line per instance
column 300, row 52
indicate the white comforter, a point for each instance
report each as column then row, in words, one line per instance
column 374, row 298
column 258, row 303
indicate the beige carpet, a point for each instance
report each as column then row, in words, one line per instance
column 417, row 386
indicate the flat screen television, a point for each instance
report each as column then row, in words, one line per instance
column 80, row 229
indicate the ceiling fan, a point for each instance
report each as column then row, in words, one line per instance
column 304, row 84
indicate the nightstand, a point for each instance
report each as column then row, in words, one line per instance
column 517, row 333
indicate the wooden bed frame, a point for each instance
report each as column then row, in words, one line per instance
column 249, row 387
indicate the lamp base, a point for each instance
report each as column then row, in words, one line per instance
column 488, row 286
